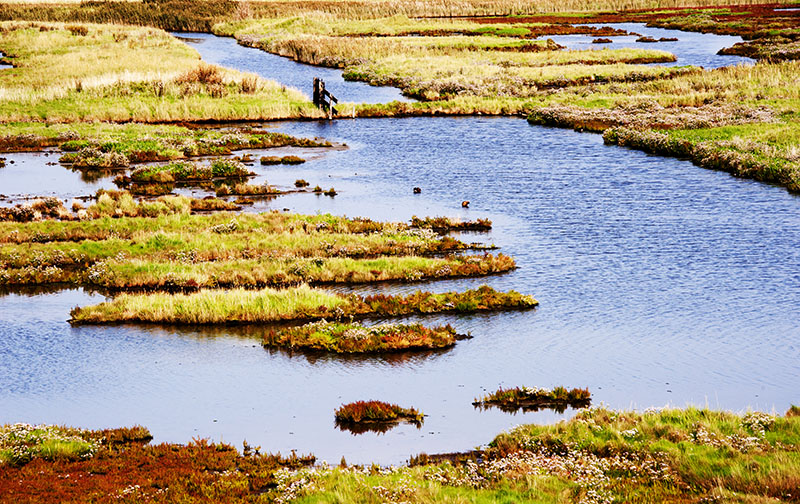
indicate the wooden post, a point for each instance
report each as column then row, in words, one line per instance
column 323, row 98
column 316, row 95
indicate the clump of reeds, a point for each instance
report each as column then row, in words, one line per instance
column 715, row 154
column 90, row 157
column 210, row 204
column 533, row 399
column 20, row 443
column 122, row 204
column 296, row 303
column 378, row 416
column 273, row 160
column 442, row 224
column 247, row 190
column 351, row 337
column 300, row 183
column 186, row 171
column 42, row 208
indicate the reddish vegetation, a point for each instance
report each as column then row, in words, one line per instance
column 774, row 31
column 378, row 416
column 126, row 470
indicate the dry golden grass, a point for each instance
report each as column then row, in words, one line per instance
column 124, row 73
column 365, row 9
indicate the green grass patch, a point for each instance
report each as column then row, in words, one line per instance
column 296, row 303
column 123, row 73
column 534, row 399
column 378, row 416
column 342, row 337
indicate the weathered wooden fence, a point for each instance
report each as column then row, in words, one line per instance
column 323, row 98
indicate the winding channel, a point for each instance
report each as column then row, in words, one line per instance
column 659, row 283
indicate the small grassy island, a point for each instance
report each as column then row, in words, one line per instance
column 120, row 243
column 341, row 337
column 376, row 416
column 534, row 399
column 240, row 306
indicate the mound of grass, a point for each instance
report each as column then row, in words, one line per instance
column 274, row 160
column 20, row 443
column 443, row 224
column 378, row 416
column 184, row 171
column 241, row 189
column 123, row 73
column 342, row 337
column 534, row 399
column 296, row 303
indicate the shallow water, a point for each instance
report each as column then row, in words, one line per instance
column 226, row 52
column 659, row 282
column 691, row 48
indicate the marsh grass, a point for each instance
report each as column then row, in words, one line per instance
column 438, row 67
column 362, row 416
column 125, row 468
column 183, row 15
column 296, row 303
column 243, row 189
column 764, row 152
column 444, row 224
column 20, row 443
column 170, row 249
column 185, row 274
column 669, row 455
column 290, row 160
column 343, row 337
column 534, row 399
column 123, row 73
column 175, row 222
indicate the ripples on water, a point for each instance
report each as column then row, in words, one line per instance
column 691, row 48
column 659, row 282
column 225, row 51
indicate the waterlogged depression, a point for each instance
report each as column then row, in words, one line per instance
column 659, row 283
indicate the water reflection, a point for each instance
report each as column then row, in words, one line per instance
column 227, row 52
column 690, row 48
column 659, row 283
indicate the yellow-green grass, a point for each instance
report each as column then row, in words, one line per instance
column 172, row 249
column 370, row 9
column 184, row 274
column 764, row 152
column 533, row 399
column 199, row 15
column 353, row 337
column 673, row 455
column 20, row 443
column 126, row 228
column 741, row 119
column 239, row 306
column 433, row 67
column 218, row 242
column 122, row 73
